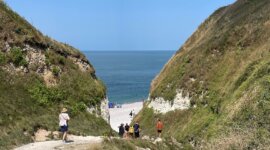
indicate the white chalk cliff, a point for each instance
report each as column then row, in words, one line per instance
column 160, row 105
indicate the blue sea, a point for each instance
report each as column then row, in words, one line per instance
column 128, row 74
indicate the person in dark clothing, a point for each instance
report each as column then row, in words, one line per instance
column 137, row 130
column 126, row 131
column 130, row 114
column 121, row 130
column 126, row 127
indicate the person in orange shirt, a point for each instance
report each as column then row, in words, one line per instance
column 159, row 127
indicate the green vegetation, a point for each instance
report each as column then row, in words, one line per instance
column 224, row 66
column 22, row 115
column 55, row 70
column 16, row 56
column 120, row 144
column 2, row 58
column 53, row 59
column 32, row 99
column 46, row 96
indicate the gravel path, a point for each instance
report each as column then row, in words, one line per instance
column 77, row 143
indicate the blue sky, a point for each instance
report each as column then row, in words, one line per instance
column 118, row 24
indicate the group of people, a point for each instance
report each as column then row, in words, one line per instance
column 134, row 131
column 129, row 131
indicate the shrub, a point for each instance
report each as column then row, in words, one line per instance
column 79, row 107
column 44, row 95
column 2, row 58
column 17, row 57
column 61, row 60
column 55, row 70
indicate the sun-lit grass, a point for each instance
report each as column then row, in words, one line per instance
column 227, row 59
column 27, row 103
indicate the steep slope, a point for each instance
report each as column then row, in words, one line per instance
column 222, row 73
column 39, row 76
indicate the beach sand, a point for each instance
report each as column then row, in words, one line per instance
column 121, row 115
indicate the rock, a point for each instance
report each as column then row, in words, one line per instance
column 56, row 135
column 42, row 135
column 104, row 108
column 49, row 78
column 25, row 133
column 139, row 148
column 146, row 137
column 21, row 67
column 25, row 70
column 7, row 47
column 158, row 140
column 163, row 106
column 179, row 145
column 84, row 66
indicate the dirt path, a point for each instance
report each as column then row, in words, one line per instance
column 77, row 143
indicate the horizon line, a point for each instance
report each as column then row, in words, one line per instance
column 125, row 50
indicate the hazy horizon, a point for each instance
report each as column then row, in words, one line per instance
column 123, row 50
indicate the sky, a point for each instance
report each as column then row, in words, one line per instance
column 118, row 24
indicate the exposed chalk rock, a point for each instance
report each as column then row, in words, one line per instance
column 84, row 66
column 42, row 135
column 104, row 110
column 163, row 106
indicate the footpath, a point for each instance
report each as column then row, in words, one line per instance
column 117, row 116
column 75, row 143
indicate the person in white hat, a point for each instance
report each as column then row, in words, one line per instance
column 63, row 123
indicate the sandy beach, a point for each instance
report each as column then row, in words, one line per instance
column 121, row 115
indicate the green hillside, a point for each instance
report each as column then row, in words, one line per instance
column 39, row 76
column 224, row 66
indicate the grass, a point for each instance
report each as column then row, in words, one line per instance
column 2, row 59
column 17, row 57
column 120, row 144
column 228, row 56
column 22, row 114
column 27, row 102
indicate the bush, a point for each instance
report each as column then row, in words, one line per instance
column 79, row 107
column 2, row 58
column 46, row 96
column 17, row 57
column 55, row 70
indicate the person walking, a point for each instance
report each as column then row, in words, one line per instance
column 126, row 127
column 137, row 129
column 133, row 113
column 63, row 123
column 126, row 130
column 159, row 127
column 121, row 130
column 130, row 114
column 131, row 131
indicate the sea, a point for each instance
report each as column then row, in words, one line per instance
column 128, row 74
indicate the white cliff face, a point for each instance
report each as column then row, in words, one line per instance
column 104, row 110
column 162, row 106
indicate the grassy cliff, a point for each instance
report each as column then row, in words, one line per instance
column 224, row 66
column 39, row 76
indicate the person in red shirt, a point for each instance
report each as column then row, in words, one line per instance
column 159, row 127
